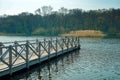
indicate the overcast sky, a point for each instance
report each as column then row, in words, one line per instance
column 12, row 7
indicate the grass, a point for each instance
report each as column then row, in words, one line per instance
column 85, row 33
column 1, row 34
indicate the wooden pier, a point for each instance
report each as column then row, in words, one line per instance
column 18, row 55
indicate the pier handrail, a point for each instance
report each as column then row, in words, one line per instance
column 22, row 52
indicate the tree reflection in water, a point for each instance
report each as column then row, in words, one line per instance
column 48, row 69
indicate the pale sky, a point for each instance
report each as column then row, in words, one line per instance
column 12, row 7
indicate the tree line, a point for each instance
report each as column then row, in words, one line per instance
column 44, row 21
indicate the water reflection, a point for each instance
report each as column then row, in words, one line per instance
column 48, row 70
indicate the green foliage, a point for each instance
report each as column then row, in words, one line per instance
column 55, row 23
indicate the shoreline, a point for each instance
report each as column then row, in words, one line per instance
column 78, row 33
column 91, row 34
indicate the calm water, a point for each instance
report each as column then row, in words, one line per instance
column 98, row 59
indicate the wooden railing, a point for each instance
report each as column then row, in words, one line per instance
column 22, row 52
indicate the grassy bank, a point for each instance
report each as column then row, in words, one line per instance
column 3, row 34
column 8, row 34
column 85, row 33
column 78, row 33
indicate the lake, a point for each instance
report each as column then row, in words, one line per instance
column 98, row 59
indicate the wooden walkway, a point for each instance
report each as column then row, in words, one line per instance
column 18, row 55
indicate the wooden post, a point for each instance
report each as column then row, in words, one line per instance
column 67, row 43
column 72, row 42
column 27, row 53
column 37, row 44
column 51, row 39
column 78, row 42
column 49, row 50
column 62, row 44
column 1, row 44
column 56, row 46
column 15, row 43
column 39, row 49
column 10, row 59
column 51, row 43
column 44, row 42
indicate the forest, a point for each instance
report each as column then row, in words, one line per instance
column 46, row 22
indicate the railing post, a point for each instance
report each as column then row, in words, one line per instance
column 67, row 43
column 51, row 41
column 62, row 43
column 39, row 49
column 1, row 44
column 44, row 42
column 49, row 50
column 78, row 42
column 72, row 42
column 10, row 59
column 27, row 53
column 56, row 46
column 15, row 43
column 37, row 44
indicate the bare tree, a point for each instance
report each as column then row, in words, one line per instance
column 63, row 11
column 38, row 11
column 46, row 10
